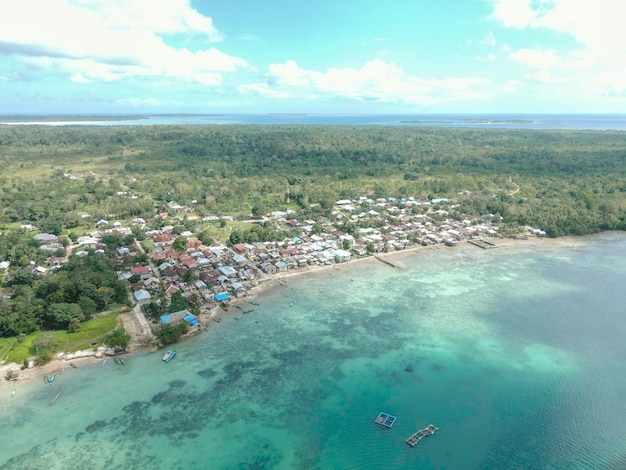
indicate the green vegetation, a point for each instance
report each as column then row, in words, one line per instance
column 43, row 343
column 62, row 180
column 118, row 339
column 169, row 334
column 567, row 182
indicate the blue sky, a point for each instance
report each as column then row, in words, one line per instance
column 312, row 56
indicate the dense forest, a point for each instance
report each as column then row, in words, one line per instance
column 62, row 180
column 565, row 182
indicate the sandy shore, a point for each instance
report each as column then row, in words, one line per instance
column 272, row 281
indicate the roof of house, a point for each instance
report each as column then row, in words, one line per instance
column 141, row 294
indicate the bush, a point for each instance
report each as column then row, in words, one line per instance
column 44, row 357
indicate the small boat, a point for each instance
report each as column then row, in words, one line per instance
column 50, row 378
column 56, row 397
column 248, row 311
column 291, row 303
column 254, row 303
column 119, row 361
column 103, row 363
column 73, row 365
column 169, row 355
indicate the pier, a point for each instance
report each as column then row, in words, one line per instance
column 417, row 436
column 481, row 243
column 389, row 263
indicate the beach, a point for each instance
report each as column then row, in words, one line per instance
column 276, row 281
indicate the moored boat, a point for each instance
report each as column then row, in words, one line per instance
column 56, row 397
column 169, row 355
column 50, row 378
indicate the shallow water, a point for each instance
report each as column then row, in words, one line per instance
column 516, row 355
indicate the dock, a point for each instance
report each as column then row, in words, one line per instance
column 417, row 436
column 385, row 419
column 389, row 263
column 481, row 243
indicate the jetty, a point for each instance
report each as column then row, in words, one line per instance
column 417, row 436
column 385, row 419
column 390, row 263
column 482, row 243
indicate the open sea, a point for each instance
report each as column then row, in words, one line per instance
column 482, row 121
column 517, row 354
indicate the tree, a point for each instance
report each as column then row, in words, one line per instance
column 118, row 339
column 178, row 302
column 259, row 210
column 74, row 326
column 180, row 244
column 169, row 334
column 206, row 238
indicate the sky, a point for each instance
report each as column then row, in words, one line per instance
column 312, row 56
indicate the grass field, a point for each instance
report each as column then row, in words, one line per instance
column 92, row 331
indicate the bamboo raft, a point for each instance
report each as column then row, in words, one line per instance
column 417, row 436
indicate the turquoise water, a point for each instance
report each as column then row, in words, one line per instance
column 517, row 355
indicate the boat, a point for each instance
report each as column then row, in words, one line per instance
column 254, row 303
column 119, row 361
column 291, row 303
column 169, row 355
column 103, row 363
column 56, row 397
column 50, row 378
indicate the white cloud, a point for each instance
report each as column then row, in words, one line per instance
column 511, row 86
column 545, row 76
column 513, row 13
column 376, row 81
column 138, row 102
column 115, row 39
column 597, row 27
column 262, row 89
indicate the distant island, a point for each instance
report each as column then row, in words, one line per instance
column 471, row 121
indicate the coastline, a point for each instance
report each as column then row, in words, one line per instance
column 58, row 365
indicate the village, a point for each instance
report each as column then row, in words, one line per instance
column 212, row 278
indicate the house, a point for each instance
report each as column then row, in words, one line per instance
column 175, row 317
column 45, row 238
column 142, row 271
column 221, row 297
column 227, row 271
column 238, row 259
column 268, row 268
column 281, row 266
column 142, row 296
column 39, row 270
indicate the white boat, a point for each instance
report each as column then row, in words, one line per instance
column 169, row 355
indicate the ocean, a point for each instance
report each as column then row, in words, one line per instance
column 515, row 353
column 481, row 121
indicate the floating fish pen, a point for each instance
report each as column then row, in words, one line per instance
column 479, row 242
column 417, row 436
column 385, row 420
